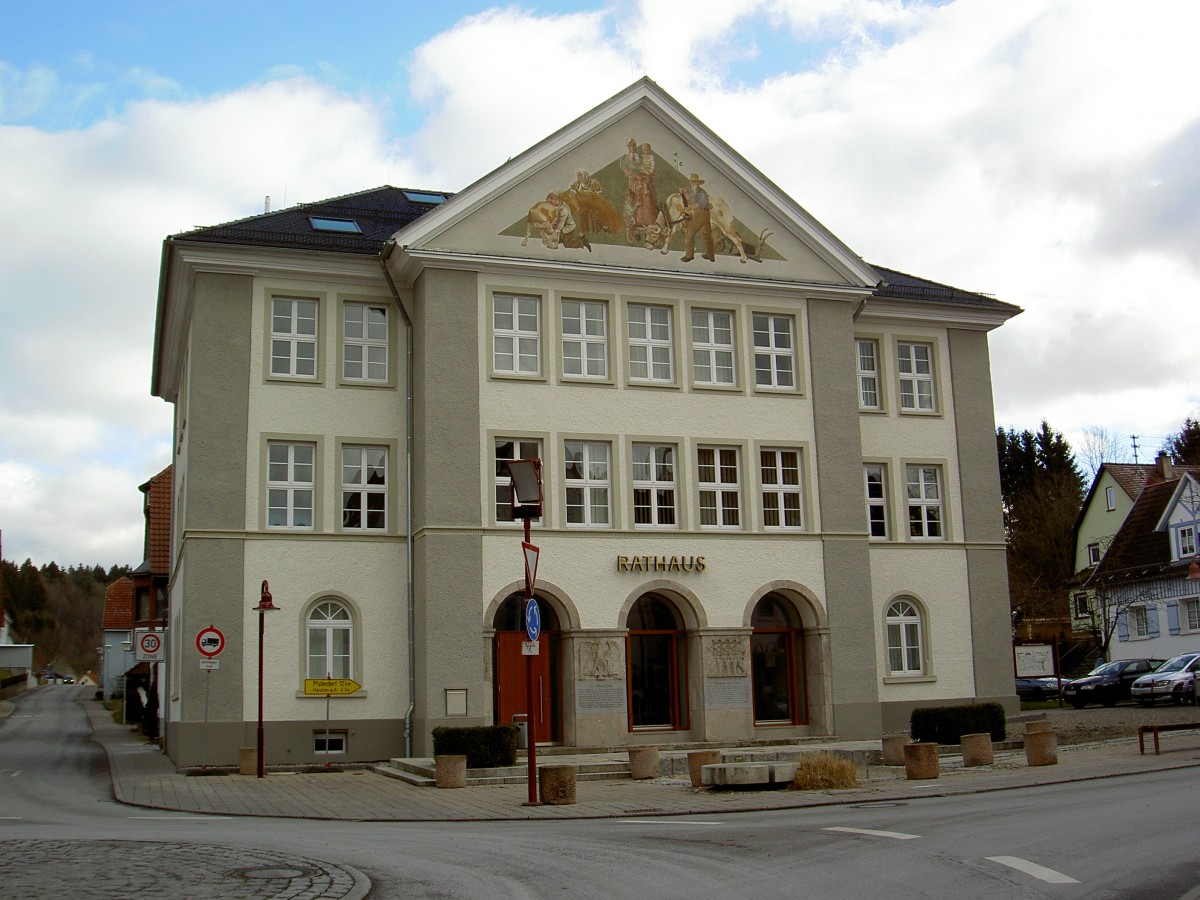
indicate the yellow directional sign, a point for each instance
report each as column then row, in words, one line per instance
column 323, row 687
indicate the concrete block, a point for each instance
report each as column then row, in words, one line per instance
column 735, row 774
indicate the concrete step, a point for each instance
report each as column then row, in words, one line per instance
column 421, row 772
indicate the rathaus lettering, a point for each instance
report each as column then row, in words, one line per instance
column 661, row 564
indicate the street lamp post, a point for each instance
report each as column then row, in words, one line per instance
column 264, row 606
column 527, row 504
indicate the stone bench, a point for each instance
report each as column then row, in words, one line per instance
column 735, row 775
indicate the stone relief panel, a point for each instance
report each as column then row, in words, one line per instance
column 601, row 659
column 726, row 657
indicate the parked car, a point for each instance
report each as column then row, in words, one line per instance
column 1173, row 680
column 1033, row 689
column 1108, row 682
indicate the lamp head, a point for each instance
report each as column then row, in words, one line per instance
column 1194, row 569
column 264, row 602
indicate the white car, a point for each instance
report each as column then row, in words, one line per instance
column 1174, row 680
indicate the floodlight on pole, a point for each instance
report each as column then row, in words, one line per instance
column 526, row 477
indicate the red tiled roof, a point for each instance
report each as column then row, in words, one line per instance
column 1138, row 549
column 158, row 522
column 1131, row 477
column 118, row 605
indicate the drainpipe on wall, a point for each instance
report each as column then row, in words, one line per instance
column 410, row 590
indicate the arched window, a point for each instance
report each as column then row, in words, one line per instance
column 330, row 637
column 657, row 664
column 904, row 636
column 777, row 663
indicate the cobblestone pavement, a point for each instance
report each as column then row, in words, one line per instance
column 118, row 870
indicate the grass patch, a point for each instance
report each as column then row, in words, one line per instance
column 822, row 772
column 117, row 708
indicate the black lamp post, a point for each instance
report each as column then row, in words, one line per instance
column 264, row 606
column 527, row 504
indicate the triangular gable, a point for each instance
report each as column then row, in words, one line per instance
column 614, row 188
column 1186, row 496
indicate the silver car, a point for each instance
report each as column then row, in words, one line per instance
column 1174, row 680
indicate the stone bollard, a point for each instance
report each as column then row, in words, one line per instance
column 698, row 759
column 643, row 762
column 450, row 771
column 557, row 785
column 893, row 748
column 247, row 760
column 920, row 761
column 977, row 749
column 1041, row 744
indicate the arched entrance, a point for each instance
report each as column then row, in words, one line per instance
column 509, row 664
column 656, row 658
column 777, row 663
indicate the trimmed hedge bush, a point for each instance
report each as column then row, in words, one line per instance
column 947, row 724
column 484, row 746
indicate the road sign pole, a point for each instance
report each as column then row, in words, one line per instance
column 204, row 730
column 327, row 696
column 530, row 721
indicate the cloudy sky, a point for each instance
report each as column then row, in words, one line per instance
column 1045, row 151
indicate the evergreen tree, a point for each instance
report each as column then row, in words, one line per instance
column 1184, row 447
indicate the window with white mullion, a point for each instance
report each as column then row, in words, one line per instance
column 1187, row 541
column 1192, row 613
column 588, row 484
column 904, row 639
column 719, row 481
column 650, row 344
column 516, row 334
column 782, row 495
column 364, row 488
column 294, row 337
column 654, row 490
column 365, row 342
column 329, row 641
column 290, row 485
column 915, row 362
column 585, row 338
column 875, row 485
column 924, row 502
column 712, row 347
column 867, row 354
column 506, row 450
column 774, row 351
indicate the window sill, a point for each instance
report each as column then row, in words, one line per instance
column 909, row 679
column 709, row 386
column 926, row 413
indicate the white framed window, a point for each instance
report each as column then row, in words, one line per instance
column 293, row 337
column 866, row 353
column 904, row 634
column 1082, row 609
column 585, row 338
column 774, row 351
column 586, row 476
column 651, row 357
column 925, row 519
column 1187, row 541
column 291, row 485
column 718, row 472
column 364, row 488
column 1191, row 614
column 330, row 639
column 1110, row 498
column 875, row 487
column 507, row 449
column 655, row 493
column 915, row 362
column 1093, row 552
column 516, row 334
column 1139, row 622
column 782, row 489
column 712, row 347
column 364, row 343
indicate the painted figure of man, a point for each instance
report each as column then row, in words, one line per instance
column 696, row 218
column 641, row 198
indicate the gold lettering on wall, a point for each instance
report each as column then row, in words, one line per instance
column 661, row 564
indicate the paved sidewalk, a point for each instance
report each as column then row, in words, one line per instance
column 144, row 776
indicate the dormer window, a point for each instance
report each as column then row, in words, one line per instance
column 1187, row 541
column 340, row 226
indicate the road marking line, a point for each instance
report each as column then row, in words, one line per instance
column 184, row 818
column 663, row 822
column 898, row 835
column 11, row 818
column 1039, row 872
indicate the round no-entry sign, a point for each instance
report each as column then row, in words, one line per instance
column 210, row 641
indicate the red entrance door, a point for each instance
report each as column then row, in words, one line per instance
column 511, row 683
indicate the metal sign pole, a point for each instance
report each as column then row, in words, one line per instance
column 327, row 696
column 204, row 730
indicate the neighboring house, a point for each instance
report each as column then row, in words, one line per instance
column 772, row 497
column 1141, row 585
column 117, row 630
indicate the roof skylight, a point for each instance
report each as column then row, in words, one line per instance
column 425, row 197
column 342, row 226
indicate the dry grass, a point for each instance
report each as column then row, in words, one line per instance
column 822, row 772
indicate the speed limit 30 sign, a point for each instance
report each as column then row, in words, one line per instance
column 149, row 646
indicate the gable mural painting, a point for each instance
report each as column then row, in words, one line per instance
column 641, row 200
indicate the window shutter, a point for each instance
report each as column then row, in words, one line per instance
column 1122, row 627
column 1173, row 617
column 1152, row 620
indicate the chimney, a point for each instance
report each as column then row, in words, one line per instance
column 1165, row 469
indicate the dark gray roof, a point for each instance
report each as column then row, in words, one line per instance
column 379, row 212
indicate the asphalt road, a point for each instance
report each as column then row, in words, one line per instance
column 62, row 835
